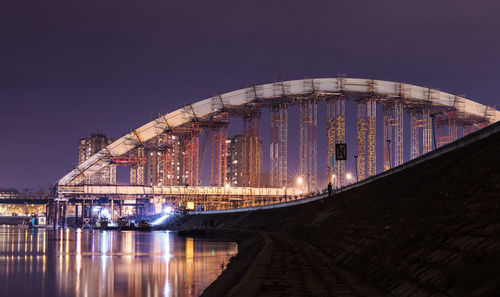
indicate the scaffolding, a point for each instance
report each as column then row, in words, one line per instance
column 398, row 133
column 278, row 145
column 426, row 130
column 308, row 143
column 218, row 150
column 446, row 127
column 388, row 124
column 335, row 132
column 361, row 140
column 415, row 124
column 190, row 154
column 371, row 113
column 253, row 149
column 137, row 168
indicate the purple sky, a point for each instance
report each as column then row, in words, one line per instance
column 68, row 67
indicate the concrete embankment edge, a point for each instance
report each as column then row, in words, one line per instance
column 432, row 229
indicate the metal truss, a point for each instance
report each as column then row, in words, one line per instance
column 361, row 138
column 253, row 149
column 388, row 124
column 398, row 133
column 218, row 151
column 371, row 113
column 308, row 142
column 330, row 138
column 415, row 123
column 426, row 130
column 446, row 127
column 190, row 157
column 335, row 130
column 137, row 169
column 278, row 145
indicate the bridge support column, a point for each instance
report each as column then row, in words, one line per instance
column 398, row 133
column 112, row 210
column 137, row 170
column 91, row 214
column 65, row 214
column 56, row 210
column 371, row 112
column 278, row 145
column 253, row 149
column 415, row 123
column 76, row 213
column 218, row 152
column 360, row 140
column 190, row 147
column 335, row 134
column 388, row 123
column 308, row 143
column 426, row 131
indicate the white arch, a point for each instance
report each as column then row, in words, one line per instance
column 294, row 88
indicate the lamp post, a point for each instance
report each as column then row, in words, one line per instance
column 300, row 182
column 348, row 176
column 388, row 141
column 356, row 163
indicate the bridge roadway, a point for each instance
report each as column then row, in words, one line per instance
column 206, row 196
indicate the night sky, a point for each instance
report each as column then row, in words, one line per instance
column 70, row 67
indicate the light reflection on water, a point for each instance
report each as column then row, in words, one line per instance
column 39, row 262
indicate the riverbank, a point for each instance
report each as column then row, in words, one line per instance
column 431, row 230
column 12, row 220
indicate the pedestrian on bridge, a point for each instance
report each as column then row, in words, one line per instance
column 329, row 190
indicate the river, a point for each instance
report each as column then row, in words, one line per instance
column 93, row 263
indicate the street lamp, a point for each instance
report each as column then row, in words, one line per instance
column 348, row 176
column 300, row 180
column 356, row 163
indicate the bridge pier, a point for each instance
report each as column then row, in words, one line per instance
column 90, row 211
column 56, row 210
column 64, row 213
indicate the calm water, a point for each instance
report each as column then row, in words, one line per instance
column 39, row 262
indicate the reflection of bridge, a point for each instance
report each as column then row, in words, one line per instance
column 434, row 118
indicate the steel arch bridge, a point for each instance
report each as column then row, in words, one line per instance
column 435, row 117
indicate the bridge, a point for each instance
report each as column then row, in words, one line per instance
column 435, row 118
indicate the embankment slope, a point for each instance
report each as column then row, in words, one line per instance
column 432, row 229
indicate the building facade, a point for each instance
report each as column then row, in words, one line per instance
column 87, row 147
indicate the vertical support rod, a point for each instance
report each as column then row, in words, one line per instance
column 398, row 133
column 388, row 123
column 414, row 143
column 278, row 146
column 308, row 143
column 330, row 138
column 371, row 113
column 426, row 131
column 65, row 214
column 360, row 140
column 340, row 125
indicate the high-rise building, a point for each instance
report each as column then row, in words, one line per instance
column 239, row 161
column 164, row 161
column 87, row 147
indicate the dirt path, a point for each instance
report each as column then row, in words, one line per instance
column 290, row 267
